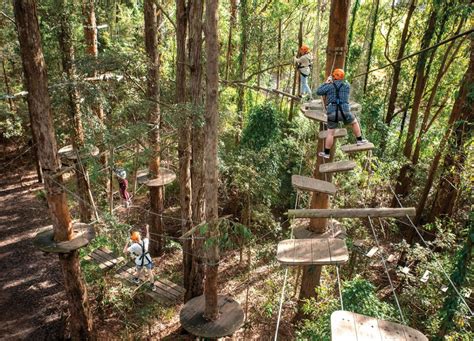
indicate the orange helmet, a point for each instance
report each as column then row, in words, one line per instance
column 135, row 236
column 304, row 49
column 338, row 74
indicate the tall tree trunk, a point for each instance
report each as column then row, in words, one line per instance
column 371, row 43
column 152, row 19
column 184, row 138
column 278, row 55
column 198, row 142
column 242, row 66
column 336, row 52
column 67, row 57
column 90, row 34
column 296, row 73
column 36, row 80
column 211, row 174
column 233, row 19
column 397, row 68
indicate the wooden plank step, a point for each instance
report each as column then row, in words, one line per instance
column 338, row 166
column 337, row 133
column 105, row 258
column 352, row 212
column 179, row 290
column 354, row 148
column 348, row 326
column 312, row 251
column 313, row 185
column 318, row 105
column 317, row 115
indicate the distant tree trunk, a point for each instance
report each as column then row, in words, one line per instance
column 371, row 43
column 259, row 51
column 233, row 19
column 152, row 19
column 90, row 34
column 355, row 8
column 337, row 38
column 36, row 80
column 278, row 55
column 296, row 74
column 397, row 68
column 184, row 138
column 211, row 174
column 242, row 66
column 67, row 56
column 198, row 143
column 316, row 45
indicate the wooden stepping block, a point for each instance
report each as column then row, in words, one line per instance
column 348, row 326
column 318, row 105
column 68, row 152
column 354, row 148
column 317, row 115
column 83, row 234
column 312, row 251
column 166, row 292
column 105, row 258
column 301, row 230
column 313, row 185
column 231, row 318
column 338, row 166
column 165, row 177
column 337, row 133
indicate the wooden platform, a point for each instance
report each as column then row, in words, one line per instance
column 68, row 152
column 316, row 115
column 352, row 212
column 337, row 133
column 83, row 234
column 338, row 166
column 231, row 318
column 301, row 230
column 312, row 251
column 354, row 148
column 166, row 292
column 142, row 176
column 313, row 185
column 165, row 177
column 348, row 326
column 105, row 258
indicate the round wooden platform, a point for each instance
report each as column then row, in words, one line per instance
column 231, row 317
column 67, row 152
column 83, row 234
column 165, row 177
column 142, row 176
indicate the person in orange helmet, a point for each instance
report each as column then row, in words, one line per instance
column 139, row 248
column 337, row 92
column 304, row 64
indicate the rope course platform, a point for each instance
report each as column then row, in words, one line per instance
column 83, row 234
column 326, row 251
column 352, row 212
column 340, row 132
column 231, row 317
column 301, row 230
column 313, row 185
column 165, row 177
column 105, row 258
column 354, row 148
column 68, row 153
column 338, row 166
column 348, row 326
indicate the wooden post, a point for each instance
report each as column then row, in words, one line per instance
column 39, row 105
column 335, row 56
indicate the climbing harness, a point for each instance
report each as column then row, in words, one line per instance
column 145, row 255
column 338, row 103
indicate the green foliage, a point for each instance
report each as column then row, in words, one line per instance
column 263, row 128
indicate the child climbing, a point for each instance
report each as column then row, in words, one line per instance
column 123, row 186
column 337, row 91
column 304, row 63
column 139, row 249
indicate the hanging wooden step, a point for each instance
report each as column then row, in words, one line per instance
column 317, row 115
column 105, row 258
column 352, row 212
column 313, row 185
column 312, row 251
column 317, row 104
column 301, row 230
column 339, row 166
column 337, row 133
column 348, row 326
column 354, row 148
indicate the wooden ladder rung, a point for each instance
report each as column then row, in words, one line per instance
column 313, row 185
column 338, row 166
column 352, row 212
column 349, row 326
column 312, row 251
column 337, row 133
column 354, row 148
